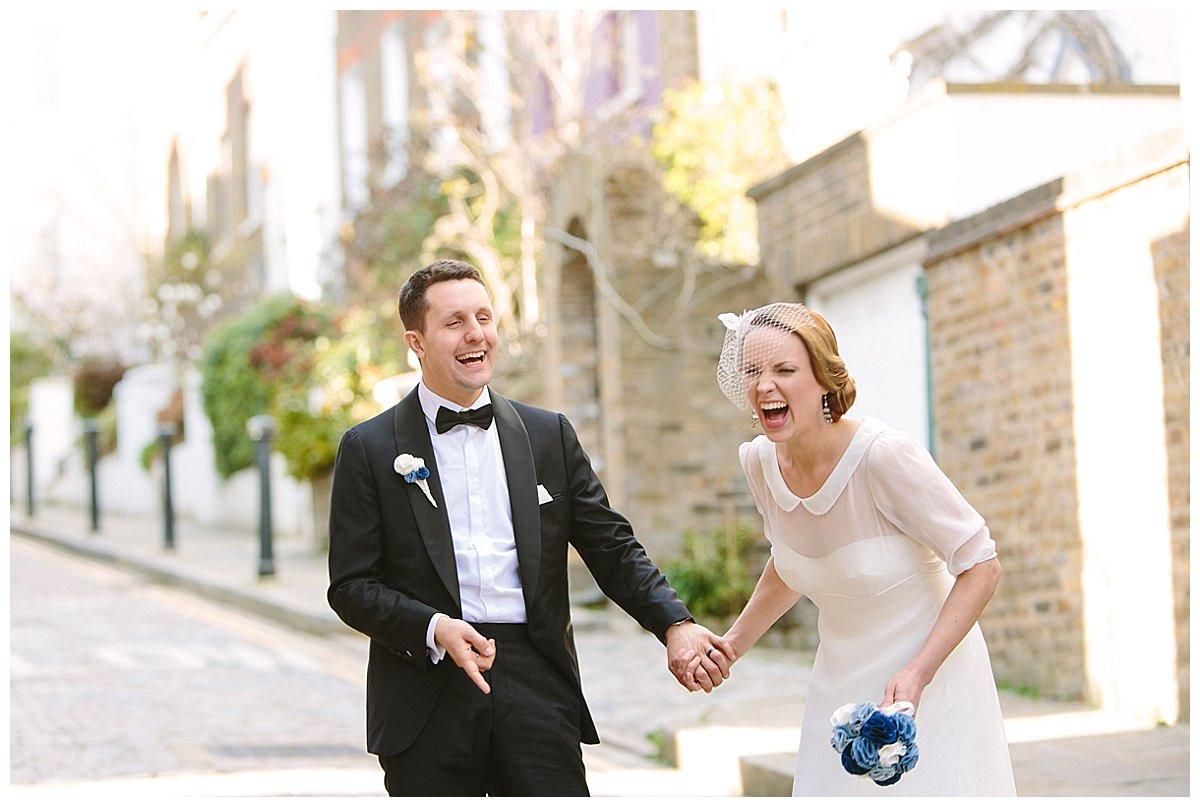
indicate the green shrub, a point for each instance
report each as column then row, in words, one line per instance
column 309, row 442
column 27, row 360
column 713, row 577
column 242, row 368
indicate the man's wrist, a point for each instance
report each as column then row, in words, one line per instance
column 683, row 621
column 435, row 651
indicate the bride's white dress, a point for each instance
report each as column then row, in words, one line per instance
column 875, row 549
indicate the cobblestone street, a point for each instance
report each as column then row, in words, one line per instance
column 127, row 688
column 123, row 687
column 113, row 677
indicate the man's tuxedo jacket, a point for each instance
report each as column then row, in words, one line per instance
column 391, row 557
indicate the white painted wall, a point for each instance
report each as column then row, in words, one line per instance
column 51, row 413
column 1121, row 445
column 875, row 312
column 124, row 487
column 1008, row 143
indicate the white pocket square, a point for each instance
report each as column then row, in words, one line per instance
column 544, row 495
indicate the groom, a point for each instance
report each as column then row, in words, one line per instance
column 457, row 570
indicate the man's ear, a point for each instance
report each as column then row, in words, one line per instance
column 415, row 343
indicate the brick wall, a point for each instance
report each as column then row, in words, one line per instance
column 821, row 215
column 677, row 433
column 651, row 413
column 678, row 47
column 1171, row 268
column 1003, row 419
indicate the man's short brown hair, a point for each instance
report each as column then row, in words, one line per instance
column 413, row 302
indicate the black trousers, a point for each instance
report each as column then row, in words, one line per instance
column 520, row 740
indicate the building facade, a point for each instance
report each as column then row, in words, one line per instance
column 1059, row 353
column 1037, row 341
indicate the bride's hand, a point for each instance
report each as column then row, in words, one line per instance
column 906, row 685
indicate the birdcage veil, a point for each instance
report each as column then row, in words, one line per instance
column 740, row 361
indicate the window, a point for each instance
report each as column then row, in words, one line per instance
column 616, row 83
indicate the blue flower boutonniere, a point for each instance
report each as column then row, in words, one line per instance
column 878, row 743
column 414, row 472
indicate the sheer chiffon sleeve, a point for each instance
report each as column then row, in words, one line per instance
column 918, row 498
column 752, row 468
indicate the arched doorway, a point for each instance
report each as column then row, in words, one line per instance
column 580, row 367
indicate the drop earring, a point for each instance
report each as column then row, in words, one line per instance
column 825, row 413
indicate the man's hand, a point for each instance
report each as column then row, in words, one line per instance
column 697, row 657
column 469, row 649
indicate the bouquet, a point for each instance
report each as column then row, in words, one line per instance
column 877, row 743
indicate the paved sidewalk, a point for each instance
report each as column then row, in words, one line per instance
column 739, row 739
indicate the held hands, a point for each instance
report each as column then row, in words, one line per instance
column 697, row 657
column 470, row 650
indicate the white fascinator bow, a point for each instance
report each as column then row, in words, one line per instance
column 730, row 320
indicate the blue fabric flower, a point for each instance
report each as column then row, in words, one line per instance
column 906, row 728
column 860, row 714
column 841, row 738
column 880, row 729
column 418, row 473
column 850, row 765
column 909, row 760
column 865, row 752
column 891, row 777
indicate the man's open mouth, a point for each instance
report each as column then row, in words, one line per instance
column 470, row 359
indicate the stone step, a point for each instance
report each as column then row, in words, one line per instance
column 768, row 774
column 744, row 760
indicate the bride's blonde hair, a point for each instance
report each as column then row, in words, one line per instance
column 818, row 338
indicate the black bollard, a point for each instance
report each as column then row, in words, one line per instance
column 91, row 433
column 262, row 429
column 29, row 509
column 166, row 432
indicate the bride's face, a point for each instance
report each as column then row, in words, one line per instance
column 781, row 388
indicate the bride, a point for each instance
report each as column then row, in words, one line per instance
column 862, row 521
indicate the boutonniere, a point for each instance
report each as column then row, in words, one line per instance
column 879, row 743
column 414, row 472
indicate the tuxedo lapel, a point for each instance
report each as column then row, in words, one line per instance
column 412, row 437
column 522, row 493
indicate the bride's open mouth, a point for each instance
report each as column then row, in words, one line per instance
column 774, row 414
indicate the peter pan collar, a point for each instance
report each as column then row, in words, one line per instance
column 819, row 503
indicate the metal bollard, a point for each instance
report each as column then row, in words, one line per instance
column 29, row 509
column 91, row 433
column 262, row 429
column 166, row 432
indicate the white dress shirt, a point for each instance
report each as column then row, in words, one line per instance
column 471, row 469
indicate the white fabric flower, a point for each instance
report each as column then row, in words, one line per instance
column 842, row 714
column 898, row 707
column 407, row 463
column 890, row 754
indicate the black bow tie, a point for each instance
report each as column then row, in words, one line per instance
column 448, row 419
